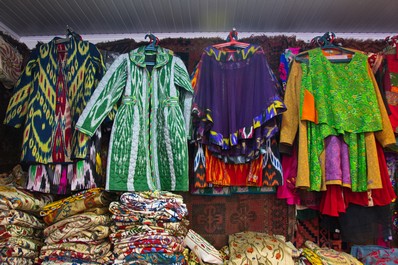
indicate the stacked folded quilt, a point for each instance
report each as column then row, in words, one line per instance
column 78, row 229
column 149, row 228
column 21, row 227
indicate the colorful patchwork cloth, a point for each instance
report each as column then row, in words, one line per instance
column 77, row 203
column 19, row 218
column 74, row 224
column 18, row 199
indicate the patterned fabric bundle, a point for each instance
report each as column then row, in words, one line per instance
column 88, row 200
column 20, row 229
column 149, row 228
column 375, row 255
column 313, row 254
column 259, row 248
column 78, row 230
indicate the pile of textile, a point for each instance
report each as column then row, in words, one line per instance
column 20, row 225
column 375, row 255
column 313, row 254
column 149, row 228
column 78, row 229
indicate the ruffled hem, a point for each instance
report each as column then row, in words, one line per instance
column 205, row 123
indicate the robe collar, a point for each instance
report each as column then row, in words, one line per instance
column 137, row 56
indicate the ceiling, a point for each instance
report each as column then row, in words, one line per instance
column 34, row 18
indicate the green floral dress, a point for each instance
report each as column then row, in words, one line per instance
column 345, row 104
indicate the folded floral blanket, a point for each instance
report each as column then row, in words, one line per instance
column 16, row 217
column 16, row 261
column 77, row 203
column 151, row 258
column 7, row 231
column 75, row 223
column 18, row 199
column 154, row 201
column 58, row 254
column 23, row 242
column 75, row 235
column 122, row 213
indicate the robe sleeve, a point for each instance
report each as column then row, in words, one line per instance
column 19, row 102
column 290, row 118
column 386, row 136
column 182, row 79
column 105, row 96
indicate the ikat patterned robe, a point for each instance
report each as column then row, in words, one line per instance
column 36, row 98
column 148, row 147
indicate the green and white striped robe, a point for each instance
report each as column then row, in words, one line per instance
column 148, row 147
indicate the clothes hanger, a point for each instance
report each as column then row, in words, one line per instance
column 392, row 44
column 232, row 41
column 69, row 34
column 151, row 49
column 153, row 42
column 326, row 43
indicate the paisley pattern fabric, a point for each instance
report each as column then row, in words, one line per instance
column 331, row 106
column 74, row 204
column 35, row 100
column 148, row 146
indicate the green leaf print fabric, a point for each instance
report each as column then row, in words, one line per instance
column 346, row 104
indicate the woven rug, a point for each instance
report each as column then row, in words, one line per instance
column 215, row 217
column 312, row 231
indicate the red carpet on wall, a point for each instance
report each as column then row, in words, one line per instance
column 216, row 217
